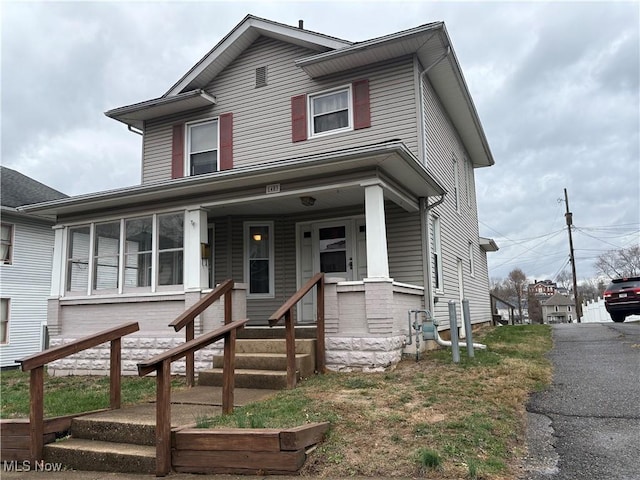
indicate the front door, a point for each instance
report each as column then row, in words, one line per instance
column 329, row 247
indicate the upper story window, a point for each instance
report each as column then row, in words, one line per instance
column 456, row 185
column 330, row 112
column 340, row 109
column 202, row 147
column 6, row 244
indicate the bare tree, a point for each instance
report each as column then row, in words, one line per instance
column 516, row 281
column 564, row 279
column 624, row 262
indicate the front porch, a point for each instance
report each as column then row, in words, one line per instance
column 365, row 327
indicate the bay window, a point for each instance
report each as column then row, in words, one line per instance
column 106, row 256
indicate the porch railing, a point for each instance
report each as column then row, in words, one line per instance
column 36, row 363
column 161, row 364
column 286, row 312
column 187, row 318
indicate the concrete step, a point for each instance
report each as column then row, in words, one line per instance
column 302, row 331
column 274, row 345
column 305, row 363
column 270, row 379
column 114, row 431
column 94, row 455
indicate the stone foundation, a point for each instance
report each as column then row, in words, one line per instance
column 95, row 361
column 369, row 354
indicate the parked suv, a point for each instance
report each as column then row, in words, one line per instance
column 622, row 298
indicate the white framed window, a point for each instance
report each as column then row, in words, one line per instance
column 469, row 180
column 437, row 254
column 152, row 257
column 472, row 267
column 202, row 147
column 330, row 112
column 4, row 320
column 106, row 256
column 259, row 259
column 6, row 244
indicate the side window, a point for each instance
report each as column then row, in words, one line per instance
column 4, row 320
column 202, row 147
column 170, row 249
column 6, row 244
column 259, row 260
column 330, row 112
column 106, row 256
column 437, row 254
column 472, row 267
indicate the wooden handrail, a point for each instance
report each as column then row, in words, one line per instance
column 187, row 318
column 161, row 364
column 56, row 353
column 286, row 312
column 190, row 314
column 35, row 364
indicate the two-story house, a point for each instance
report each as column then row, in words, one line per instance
column 26, row 247
column 558, row 309
column 283, row 153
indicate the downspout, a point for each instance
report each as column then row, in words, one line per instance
column 424, row 201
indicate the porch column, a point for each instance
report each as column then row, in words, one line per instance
column 195, row 235
column 377, row 257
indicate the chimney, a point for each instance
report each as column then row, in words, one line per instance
column 301, row 24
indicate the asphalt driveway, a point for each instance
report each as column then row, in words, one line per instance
column 587, row 424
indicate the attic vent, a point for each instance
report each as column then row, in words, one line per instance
column 261, row 77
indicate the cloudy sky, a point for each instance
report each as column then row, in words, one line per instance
column 556, row 86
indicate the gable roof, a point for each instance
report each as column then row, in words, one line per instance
column 429, row 43
column 18, row 190
column 559, row 300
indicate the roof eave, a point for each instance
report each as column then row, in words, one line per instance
column 393, row 157
column 135, row 115
column 249, row 29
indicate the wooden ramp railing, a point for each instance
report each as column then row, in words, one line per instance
column 161, row 364
column 187, row 318
column 36, row 363
column 286, row 312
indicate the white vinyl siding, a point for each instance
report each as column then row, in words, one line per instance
column 459, row 220
column 262, row 116
column 26, row 283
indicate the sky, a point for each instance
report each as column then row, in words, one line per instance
column 556, row 86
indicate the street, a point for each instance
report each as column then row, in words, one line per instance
column 586, row 425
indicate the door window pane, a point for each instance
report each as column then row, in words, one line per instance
column 333, row 249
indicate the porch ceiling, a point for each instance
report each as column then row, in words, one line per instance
column 334, row 179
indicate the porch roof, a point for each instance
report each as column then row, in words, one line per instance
column 391, row 160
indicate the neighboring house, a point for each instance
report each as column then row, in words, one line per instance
column 542, row 288
column 283, row 153
column 558, row 309
column 25, row 266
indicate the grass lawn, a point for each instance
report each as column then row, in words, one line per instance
column 432, row 418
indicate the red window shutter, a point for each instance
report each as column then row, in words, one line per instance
column 361, row 106
column 177, row 152
column 226, row 141
column 299, row 118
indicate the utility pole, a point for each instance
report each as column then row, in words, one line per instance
column 569, row 217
